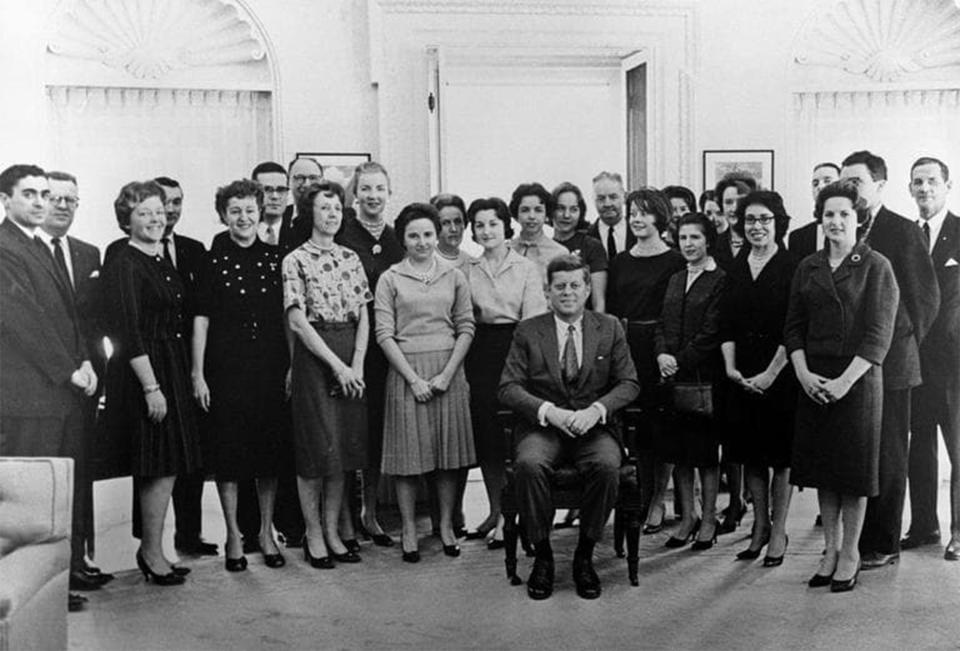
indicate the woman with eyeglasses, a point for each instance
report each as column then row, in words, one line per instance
column 760, row 397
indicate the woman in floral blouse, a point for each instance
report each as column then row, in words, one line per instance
column 325, row 297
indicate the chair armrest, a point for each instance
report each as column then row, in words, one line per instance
column 36, row 498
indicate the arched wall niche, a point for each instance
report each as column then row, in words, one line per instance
column 882, row 75
column 141, row 88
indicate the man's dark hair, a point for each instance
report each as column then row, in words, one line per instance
column 62, row 176
column 167, row 182
column 832, row 166
column 875, row 165
column 267, row 167
column 568, row 262
column 929, row 160
column 12, row 175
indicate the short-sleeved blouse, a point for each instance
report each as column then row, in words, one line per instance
column 327, row 284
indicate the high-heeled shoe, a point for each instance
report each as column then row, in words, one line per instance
column 774, row 561
column 409, row 557
column 703, row 545
column 749, row 554
column 180, row 570
column 379, row 539
column 274, row 560
column 171, row 578
column 674, row 542
column 820, row 580
column 732, row 519
column 235, row 564
column 352, row 545
column 845, row 585
column 346, row 557
column 321, row 563
column 452, row 550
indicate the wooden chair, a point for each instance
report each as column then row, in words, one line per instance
column 567, row 492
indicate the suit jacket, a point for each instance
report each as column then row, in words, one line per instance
column 594, row 232
column 39, row 339
column 531, row 373
column 940, row 351
column 803, row 241
column 689, row 326
column 901, row 242
column 85, row 259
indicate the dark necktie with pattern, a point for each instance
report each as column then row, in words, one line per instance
column 611, row 244
column 926, row 233
column 60, row 261
column 570, row 367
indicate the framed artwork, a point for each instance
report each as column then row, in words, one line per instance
column 758, row 163
column 337, row 166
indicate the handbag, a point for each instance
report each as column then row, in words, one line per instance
column 693, row 398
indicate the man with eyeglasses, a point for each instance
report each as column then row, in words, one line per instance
column 304, row 172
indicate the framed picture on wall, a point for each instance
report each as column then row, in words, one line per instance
column 337, row 166
column 758, row 163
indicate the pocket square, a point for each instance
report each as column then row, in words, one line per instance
column 599, row 357
column 952, row 262
column 95, row 274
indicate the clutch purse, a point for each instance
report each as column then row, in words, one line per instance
column 695, row 398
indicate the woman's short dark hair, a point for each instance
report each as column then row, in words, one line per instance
column 531, row 190
column 680, row 192
column 568, row 262
column 653, row 202
column 770, row 200
column 705, row 196
column 412, row 212
column 706, row 227
column 447, row 200
column 846, row 190
column 500, row 209
column 326, row 188
column 563, row 188
column 732, row 182
column 240, row 189
column 132, row 195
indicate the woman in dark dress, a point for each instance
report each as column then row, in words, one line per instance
column 638, row 281
column 687, row 344
column 325, row 296
column 760, row 397
column 843, row 301
column 148, row 380
column 240, row 365
column 569, row 222
column 369, row 236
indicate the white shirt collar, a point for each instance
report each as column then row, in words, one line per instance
column 26, row 231
column 562, row 325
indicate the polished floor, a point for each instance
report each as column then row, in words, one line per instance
column 686, row 599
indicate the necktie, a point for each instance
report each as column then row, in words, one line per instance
column 570, row 367
column 166, row 251
column 926, row 232
column 61, row 261
column 611, row 244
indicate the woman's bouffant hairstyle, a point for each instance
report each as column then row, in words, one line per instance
column 412, row 212
column 705, row 196
column 563, row 188
column 706, row 227
column 680, row 192
column 770, row 200
column 847, row 190
column 498, row 206
column 369, row 167
column 326, row 188
column 447, row 200
column 653, row 202
column 132, row 195
column 240, row 189
column 531, row 190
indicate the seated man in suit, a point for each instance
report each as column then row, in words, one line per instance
column 566, row 375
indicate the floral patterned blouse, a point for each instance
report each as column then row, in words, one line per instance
column 327, row 284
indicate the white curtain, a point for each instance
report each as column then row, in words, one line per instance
column 110, row 136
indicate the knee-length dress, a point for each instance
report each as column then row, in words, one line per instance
column 759, row 428
column 143, row 311
column 689, row 329
column 329, row 429
column 245, row 363
column 424, row 316
column 834, row 316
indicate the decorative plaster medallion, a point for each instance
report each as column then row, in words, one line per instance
column 883, row 39
column 149, row 38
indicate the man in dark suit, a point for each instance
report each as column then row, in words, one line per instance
column 611, row 227
column 809, row 239
column 902, row 243
column 304, row 172
column 45, row 367
column 567, row 374
column 81, row 263
column 937, row 400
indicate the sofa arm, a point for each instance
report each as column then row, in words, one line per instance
column 36, row 499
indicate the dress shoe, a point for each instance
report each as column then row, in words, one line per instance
column 952, row 552
column 104, row 577
column 274, row 560
column 346, row 557
column 195, row 547
column 585, row 578
column 352, row 545
column 84, row 582
column 674, row 542
column 911, row 541
column 540, row 583
column 179, row 570
column 703, row 545
column 235, row 564
column 495, row 543
column 776, row 561
column 846, row 585
column 451, row 550
column 649, row 529
column 476, row 534
column 171, row 578
column 873, row 560
column 411, row 557
column 75, row 602
column 732, row 520
column 749, row 554
column 820, row 580
column 379, row 539
column 321, row 563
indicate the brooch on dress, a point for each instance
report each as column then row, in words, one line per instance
column 376, row 249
